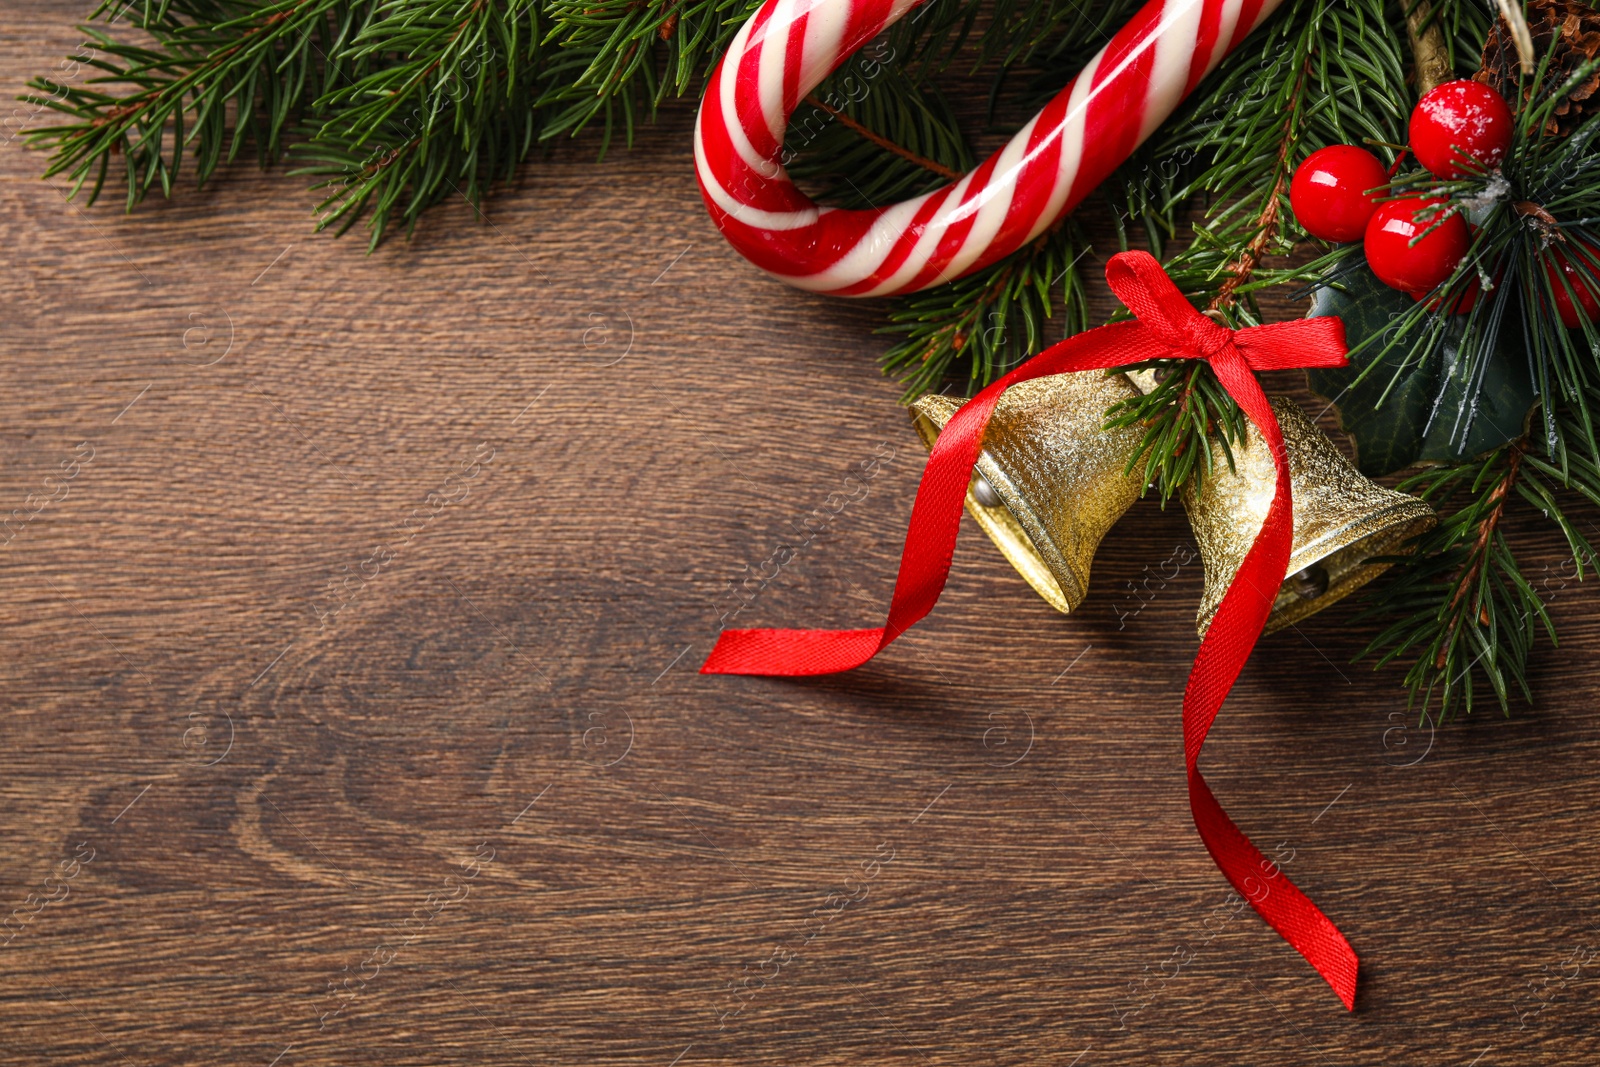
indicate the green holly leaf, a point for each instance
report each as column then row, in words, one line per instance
column 1433, row 412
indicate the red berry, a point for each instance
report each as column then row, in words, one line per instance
column 1581, row 277
column 1457, row 122
column 1335, row 191
column 1417, row 267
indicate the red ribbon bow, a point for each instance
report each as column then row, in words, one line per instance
column 1166, row 327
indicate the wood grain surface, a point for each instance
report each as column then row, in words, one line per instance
column 351, row 711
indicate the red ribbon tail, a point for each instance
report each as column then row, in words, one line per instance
column 1261, row 882
column 793, row 653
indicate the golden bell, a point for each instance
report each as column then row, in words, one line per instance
column 1050, row 480
column 1341, row 519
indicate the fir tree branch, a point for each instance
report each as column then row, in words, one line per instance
column 448, row 106
column 617, row 60
column 1461, row 609
column 220, row 74
column 839, row 166
column 1493, row 506
column 990, row 320
column 1268, row 218
column 1186, row 411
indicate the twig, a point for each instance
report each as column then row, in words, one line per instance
column 1480, row 548
column 883, row 142
column 1428, row 47
column 1267, row 222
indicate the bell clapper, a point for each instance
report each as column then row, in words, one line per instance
column 1311, row 582
column 983, row 492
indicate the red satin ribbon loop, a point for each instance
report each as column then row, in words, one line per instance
column 1166, row 326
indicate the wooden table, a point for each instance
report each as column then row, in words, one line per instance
column 351, row 708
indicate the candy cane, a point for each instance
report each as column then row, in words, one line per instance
column 789, row 46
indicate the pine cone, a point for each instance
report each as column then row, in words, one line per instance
column 1577, row 27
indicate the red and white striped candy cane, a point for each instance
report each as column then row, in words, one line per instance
column 1093, row 125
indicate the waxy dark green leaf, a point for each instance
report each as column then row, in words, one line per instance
column 1430, row 414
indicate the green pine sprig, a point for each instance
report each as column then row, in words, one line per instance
column 1185, row 412
column 215, row 77
column 1462, row 614
column 971, row 331
column 446, row 106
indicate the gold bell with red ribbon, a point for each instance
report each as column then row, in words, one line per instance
column 1052, row 481
column 1342, row 519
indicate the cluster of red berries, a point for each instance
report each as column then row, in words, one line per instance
column 1413, row 243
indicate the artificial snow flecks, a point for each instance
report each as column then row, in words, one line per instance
column 1477, row 207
